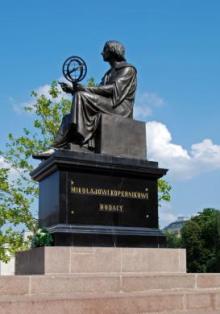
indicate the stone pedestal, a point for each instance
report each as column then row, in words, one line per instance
column 89, row 199
column 87, row 260
column 89, row 280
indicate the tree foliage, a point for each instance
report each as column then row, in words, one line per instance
column 173, row 240
column 164, row 189
column 18, row 192
column 201, row 237
column 42, row 238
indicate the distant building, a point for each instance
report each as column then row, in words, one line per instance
column 177, row 225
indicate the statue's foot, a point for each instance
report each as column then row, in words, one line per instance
column 78, row 148
column 60, row 143
column 44, row 155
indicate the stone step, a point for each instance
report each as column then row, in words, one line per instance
column 70, row 260
column 188, row 301
column 105, row 283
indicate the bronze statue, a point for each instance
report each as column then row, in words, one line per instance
column 114, row 95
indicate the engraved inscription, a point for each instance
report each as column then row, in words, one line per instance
column 111, row 208
column 111, row 200
column 109, row 192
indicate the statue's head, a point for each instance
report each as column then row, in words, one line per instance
column 113, row 50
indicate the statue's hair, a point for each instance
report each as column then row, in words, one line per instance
column 116, row 50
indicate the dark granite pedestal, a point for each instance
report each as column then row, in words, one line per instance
column 89, row 199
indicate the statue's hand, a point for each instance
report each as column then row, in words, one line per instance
column 66, row 88
column 79, row 88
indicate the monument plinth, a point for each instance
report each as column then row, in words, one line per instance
column 89, row 199
column 98, row 188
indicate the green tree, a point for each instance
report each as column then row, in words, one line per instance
column 173, row 240
column 201, row 238
column 164, row 189
column 18, row 192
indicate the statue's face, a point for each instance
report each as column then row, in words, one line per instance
column 105, row 54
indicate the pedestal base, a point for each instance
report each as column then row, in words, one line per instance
column 108, row 236
column 88, row 199
column 86, row 260
column 107, row 281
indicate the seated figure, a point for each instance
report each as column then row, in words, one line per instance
column 114, row 96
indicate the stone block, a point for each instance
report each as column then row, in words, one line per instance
column 99, row 304
column 208, row 280
column 187, row 312
column 14, row 285
column 217, row 301
column 30, row 262
column 64, row 260
column 107, row 294
column 53, row 264
column 142, row 283
column 43, row 260
column 200, row 301
column 154, row 260
column 70, row 284
column 122, row 137
column 95, row 260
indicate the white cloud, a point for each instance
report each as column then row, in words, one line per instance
column 182, row 164
column 207, row 152
column 145, row 104
column 42, row 90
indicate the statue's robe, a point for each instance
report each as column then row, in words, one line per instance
column 115, row 96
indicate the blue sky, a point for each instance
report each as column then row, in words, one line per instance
column 174, row 44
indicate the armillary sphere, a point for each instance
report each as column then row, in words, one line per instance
column 74, row 69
